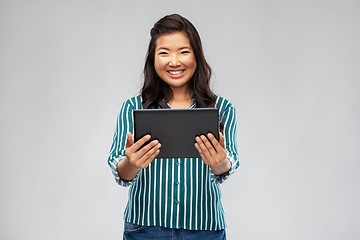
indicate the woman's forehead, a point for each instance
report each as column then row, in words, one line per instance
column 173, row 40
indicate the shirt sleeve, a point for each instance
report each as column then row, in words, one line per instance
column 228, row 119
column 117, row 152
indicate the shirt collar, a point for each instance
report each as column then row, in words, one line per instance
column 163, row 103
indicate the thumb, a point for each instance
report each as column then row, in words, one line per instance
column 129, row 140
column 221, row 140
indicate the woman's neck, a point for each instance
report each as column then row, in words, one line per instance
column 181, row 99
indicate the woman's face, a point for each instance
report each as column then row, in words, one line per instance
column 175, row 61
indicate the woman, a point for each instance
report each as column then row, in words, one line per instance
column 178, row 196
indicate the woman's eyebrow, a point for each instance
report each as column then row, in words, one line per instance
column 164, row 48
column 185, row 48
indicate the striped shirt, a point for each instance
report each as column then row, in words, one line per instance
column 175, row 192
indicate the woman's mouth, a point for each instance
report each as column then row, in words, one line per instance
column 176, row 74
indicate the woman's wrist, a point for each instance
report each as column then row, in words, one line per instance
column 222, row 167
column 126, row 170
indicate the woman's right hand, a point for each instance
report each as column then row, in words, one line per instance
column 141, row 158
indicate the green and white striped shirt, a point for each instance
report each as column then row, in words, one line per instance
column 175, row 192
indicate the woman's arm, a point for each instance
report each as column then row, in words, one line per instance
column 124, row 156
column 223, row 167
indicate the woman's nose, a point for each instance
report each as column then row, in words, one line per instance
column 174, row 61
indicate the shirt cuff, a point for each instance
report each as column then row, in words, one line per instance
column 221, row 178
column 122, row 182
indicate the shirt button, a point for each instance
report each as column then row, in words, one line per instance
column 176, row 202
column 177, row 183
column 178, row 163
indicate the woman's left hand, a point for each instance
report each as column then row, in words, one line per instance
column 212, row 152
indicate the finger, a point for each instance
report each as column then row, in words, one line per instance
column 215, row 142
column 141, row 142
column 222, row 143
column 129, row 140
column 132, row 151
column 149, row 156
column 198, row 149
column 145, row 149
column 201, row 142
column 218, row 153
column 139, row 157
column 219, row 146
column 209, row 145
column 202, row 155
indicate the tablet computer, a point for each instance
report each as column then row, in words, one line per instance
column 176, row 129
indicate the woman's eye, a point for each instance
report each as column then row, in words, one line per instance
column 162, row 53
column 184, row 52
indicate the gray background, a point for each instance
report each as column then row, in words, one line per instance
column 291, row 68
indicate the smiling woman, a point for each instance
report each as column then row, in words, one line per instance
column 178, row 196
column 175, row 64
column 174, row 59
column 175, row 30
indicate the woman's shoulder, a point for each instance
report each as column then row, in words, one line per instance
column 134, row 102
column 223, row 103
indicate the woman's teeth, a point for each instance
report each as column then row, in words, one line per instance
column 176, row 72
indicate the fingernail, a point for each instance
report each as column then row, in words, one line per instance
column 159, row 145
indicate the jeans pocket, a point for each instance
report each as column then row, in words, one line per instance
column 130, row 228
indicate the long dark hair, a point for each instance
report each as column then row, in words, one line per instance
column 155, row 90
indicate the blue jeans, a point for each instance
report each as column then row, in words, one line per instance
column 138, row 232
